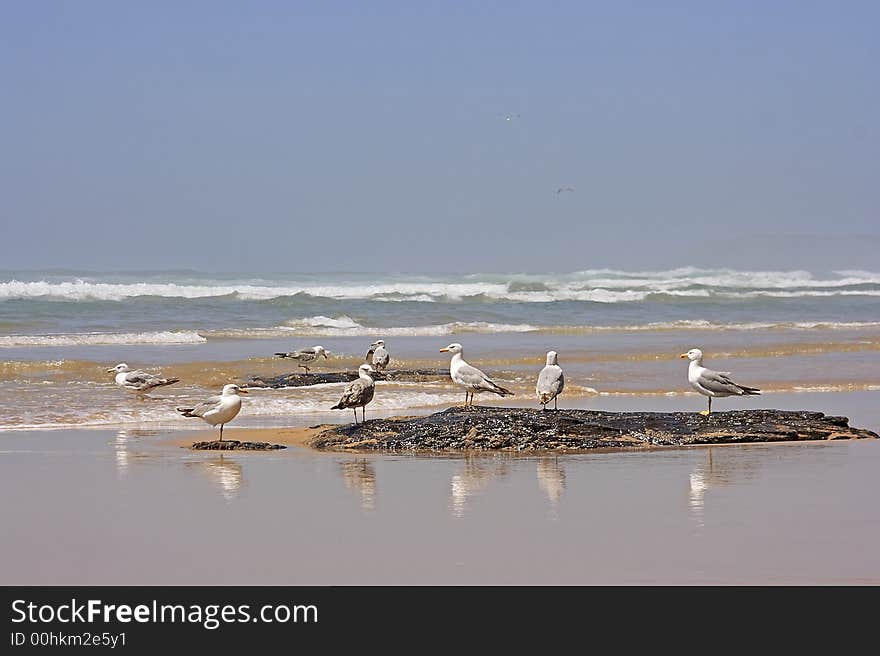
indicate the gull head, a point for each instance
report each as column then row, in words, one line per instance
column 232, row 389
column 320, row 350
column 694, row 355
column 455, row 347
column 551, row 357
column 118, row 369
column 366, row 370
column 379, row 343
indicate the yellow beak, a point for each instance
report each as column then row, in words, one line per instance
column 242, row 391
column 443, row 350
column 683, row 355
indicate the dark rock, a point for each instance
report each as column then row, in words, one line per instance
column 528, row 429
column 297, row 379
column 235, row 445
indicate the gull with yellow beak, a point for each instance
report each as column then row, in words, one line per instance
column 471, row 378
column 217, row 409
column 711, row 383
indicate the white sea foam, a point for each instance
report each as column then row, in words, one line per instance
column 601, row 285
column 103, row 339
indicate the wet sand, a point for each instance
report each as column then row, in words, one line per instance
column 92, row 507
column 130, row 506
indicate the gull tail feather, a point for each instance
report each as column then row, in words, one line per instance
column 186, row 412
column 749, row 391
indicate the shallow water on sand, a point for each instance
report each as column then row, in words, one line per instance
column 126, row 507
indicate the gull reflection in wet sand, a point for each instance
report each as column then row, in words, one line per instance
column 716, row 470
column 359, row 475
column 551, row 479
column 126, row 437
column 472, row 480
column 225, row 473
column 122, row 454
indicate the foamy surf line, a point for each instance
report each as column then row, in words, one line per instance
column 169, row 337
column 600, row 286
column 344, row 326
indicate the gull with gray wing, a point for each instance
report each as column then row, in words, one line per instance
column 305, row 356
column 550, row 381
column 217, row 409
column 138, row 381
column 472, row 379
column 359, row 393
column 711, row 383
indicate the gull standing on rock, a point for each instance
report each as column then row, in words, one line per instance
column 218, row 409
column 712, row 383
column 359, row 393
column 138, row 381
column 378, row 356
column 471, row 378
column 550, row 382
column 305, row 356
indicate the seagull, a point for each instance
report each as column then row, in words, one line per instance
column 138, row 381
column 471, row 378
column 218, row 409
column 713, row 383
column 550, row 381
column 510, row 117
column 359, row 393
column 561, row 189
column 305, row 356
column 378, row 355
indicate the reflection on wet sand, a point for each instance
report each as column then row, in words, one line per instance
column 359, row 475
column 551, row 478
column 472, row 480
column 717, row 470
column 125, row 437
column 225, row 474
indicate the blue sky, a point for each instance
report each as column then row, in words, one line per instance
column 326, row 136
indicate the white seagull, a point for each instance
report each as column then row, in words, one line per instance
column 471, row 378
column 378, row 355
column 359, row 393
column 138, row 381
column 305, row 356
column 218, row 409
column 550, row 381
column 712, row 383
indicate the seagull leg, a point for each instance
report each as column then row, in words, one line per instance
column 709, row 411
column 221, row 432
column 355, row 410
column 556, row 403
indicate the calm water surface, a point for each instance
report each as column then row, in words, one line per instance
column 124, row 507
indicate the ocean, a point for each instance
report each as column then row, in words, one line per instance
column 618, row 334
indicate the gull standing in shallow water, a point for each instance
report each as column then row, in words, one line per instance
column 550, row 382
column 218, row 409
column 471, row 378
column 305, row 356
column 712, row 383
column 359, row 393
column 138, row 381
column 378, row 355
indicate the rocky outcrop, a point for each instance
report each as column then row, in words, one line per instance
column 235, row 445
column 303, row 379
column 525, row 429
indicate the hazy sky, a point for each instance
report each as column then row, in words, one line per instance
column 360, row 136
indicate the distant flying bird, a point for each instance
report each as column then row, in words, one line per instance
column 138, row 381
column 472, row 379
column 359, row 393
column 510, row 117
column 217, row 409
column 712, row 383
column 550, row 381
column 305, row 356
column 378, row 356
column 561, row 189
